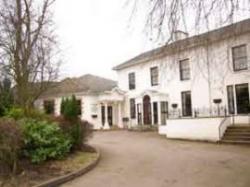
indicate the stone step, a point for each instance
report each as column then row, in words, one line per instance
column 237, row 134
column 236, row 141
column 238, row 130
column 240, row 126
column 236, row 138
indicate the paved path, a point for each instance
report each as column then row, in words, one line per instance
column 132, row 159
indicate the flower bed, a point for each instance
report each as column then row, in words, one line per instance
column 33, row 175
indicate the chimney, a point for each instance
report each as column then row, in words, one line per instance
column 179, row 35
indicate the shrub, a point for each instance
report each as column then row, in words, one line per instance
column 79, row 131
column 44, row 140
column 11, row 142
column 15, row 113
column 6, row 96
column 69, row 108
column 36, row 114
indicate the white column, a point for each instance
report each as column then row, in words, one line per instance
column 120, row 124
column 99, row 114
column 106, row 124
column 159, row 113
column 58, row 106
column 152, row 112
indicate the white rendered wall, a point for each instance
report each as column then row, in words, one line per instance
column 194, row 129
column 87, row 108
column 217, row 56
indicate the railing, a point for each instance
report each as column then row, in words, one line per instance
column 226, row 122
column 198, row 113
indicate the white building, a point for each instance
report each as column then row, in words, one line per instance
column 97, row 98
column 187, row 88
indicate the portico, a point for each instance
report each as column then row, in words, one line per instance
column 152, row 107
column 110, row 109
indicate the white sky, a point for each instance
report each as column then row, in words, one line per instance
column 95, row 36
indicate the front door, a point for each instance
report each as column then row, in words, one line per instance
column 139, row 118
column 164, row 112
column 242, row 98
column 186, row 104
column 110, row 115
column 103, row 115
column 238, row 100
column 147, row 111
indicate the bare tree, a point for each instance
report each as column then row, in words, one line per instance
column 164, row 17
column 28, row 47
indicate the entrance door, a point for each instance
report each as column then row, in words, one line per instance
column 186, row 104
column 139, row 118
column 147, row 120
column 103, row 115
column 242, row 98
column 110, row 115
column 155, row 111
column 238, row 100
column 164, row 112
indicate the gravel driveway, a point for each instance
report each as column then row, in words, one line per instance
column 131, row 159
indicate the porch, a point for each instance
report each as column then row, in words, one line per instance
column 110, row 109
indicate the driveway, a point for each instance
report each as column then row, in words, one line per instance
column 131, row 159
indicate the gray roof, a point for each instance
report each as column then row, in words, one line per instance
column 222, row 33
column 86, row 84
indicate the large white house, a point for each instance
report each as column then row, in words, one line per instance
column 189, row 88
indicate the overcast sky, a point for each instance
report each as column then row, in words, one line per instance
column 95, row 36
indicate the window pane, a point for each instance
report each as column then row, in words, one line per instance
column 79, row 107
column 184, row 69
column 239, row 57
column 242, row 98
column 49, row 106
column 154, row 76
column 240, row 63
column 131, row 77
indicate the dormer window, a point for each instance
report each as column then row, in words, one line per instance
column 239, row 54
column 154, row 72
column 131, row 80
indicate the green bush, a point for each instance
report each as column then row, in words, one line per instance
column 11, row 143
column 6, row 96
column 15, row 113
column 44, row 140
column 79, row 131
column 37, row 115
column 69, row 108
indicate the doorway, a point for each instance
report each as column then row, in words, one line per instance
column 147, row 120
column 110, row 116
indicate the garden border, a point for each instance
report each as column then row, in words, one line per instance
column 66, row 178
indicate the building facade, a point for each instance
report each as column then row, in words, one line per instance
column 192, row 88
column 100, row 101
column 205, row 77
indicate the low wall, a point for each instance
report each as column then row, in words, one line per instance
column 241, row 120
column 206, row 129
column 162, row 130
